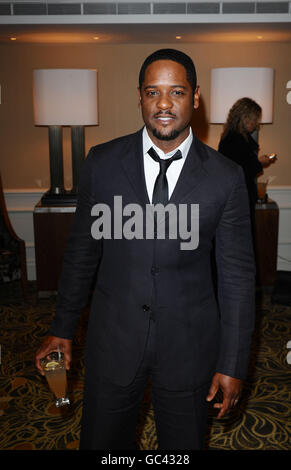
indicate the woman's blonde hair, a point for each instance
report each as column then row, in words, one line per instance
column 241, row 111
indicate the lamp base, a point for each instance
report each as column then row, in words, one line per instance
column 66, row 198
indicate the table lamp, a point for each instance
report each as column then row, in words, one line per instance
column 64, row 97
column 230, row 84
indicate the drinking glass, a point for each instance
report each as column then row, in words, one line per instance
column 262, row 189
column 54, row 368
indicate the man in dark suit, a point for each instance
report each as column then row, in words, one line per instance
column 156, row 312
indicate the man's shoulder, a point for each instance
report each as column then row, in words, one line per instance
column 215, row 161
column 116, row 144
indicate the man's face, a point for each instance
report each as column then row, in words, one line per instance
column 167, row 103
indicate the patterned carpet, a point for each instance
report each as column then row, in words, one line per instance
column 29, row 419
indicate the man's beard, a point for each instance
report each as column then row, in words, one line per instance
column 173, row 135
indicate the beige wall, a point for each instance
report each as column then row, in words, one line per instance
column 24, row 147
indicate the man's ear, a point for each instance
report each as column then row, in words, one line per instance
column 196, row 97
column 139, row 96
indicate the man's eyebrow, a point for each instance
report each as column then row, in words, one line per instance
column 172, row 86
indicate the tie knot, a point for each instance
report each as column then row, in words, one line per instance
column 164, row 163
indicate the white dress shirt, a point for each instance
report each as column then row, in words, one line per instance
column 152, row 168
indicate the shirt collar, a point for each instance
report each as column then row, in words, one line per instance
column 183, row 147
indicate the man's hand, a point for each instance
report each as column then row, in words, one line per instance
column 231, row 389
column 50, row 344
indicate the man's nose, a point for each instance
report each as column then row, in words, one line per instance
column 164, row 102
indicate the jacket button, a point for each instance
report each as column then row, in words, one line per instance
column 154, row 270
column 145, row 308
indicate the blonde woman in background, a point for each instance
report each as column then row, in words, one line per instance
column 237, row 143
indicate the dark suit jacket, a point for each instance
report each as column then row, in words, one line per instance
column 198, row 332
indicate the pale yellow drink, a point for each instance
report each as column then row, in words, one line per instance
column 57, row 378
column 262, row 188
column 53, row 366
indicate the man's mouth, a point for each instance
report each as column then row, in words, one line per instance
column 164, row 118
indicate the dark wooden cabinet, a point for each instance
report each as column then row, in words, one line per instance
column 51, row 229
column 266, row 242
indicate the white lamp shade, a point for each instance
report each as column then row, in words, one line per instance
column 230, row 84
column 65, row 97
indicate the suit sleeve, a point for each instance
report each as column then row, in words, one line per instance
column 81, row 259
column 236, row 282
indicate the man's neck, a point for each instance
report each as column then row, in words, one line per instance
column 169, row 145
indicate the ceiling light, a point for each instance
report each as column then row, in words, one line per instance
column 13, row 39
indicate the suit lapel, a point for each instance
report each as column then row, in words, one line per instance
column 132, row 163
column 192, row 174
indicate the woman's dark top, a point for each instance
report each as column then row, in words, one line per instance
column 245, row 153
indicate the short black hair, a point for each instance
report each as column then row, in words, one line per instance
column 176, row 56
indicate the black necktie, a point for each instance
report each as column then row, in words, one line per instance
column 161, row 191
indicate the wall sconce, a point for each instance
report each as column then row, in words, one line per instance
column 64, row 97
column 230, row 84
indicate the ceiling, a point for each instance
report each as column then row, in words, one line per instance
column 144, row 33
